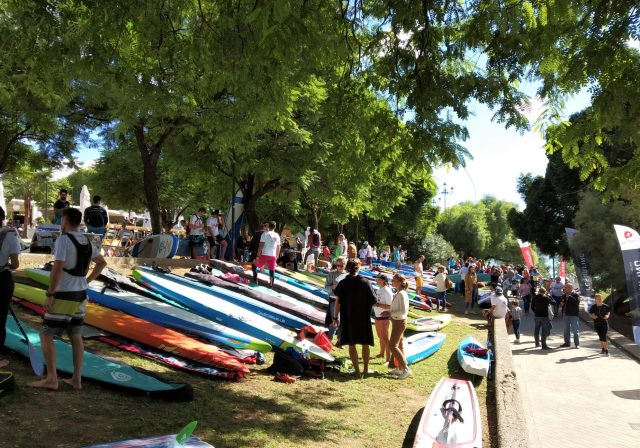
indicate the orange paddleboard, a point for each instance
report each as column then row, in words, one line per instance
column 145, row 332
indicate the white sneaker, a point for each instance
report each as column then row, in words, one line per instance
column 394, row 372
column 466, row 311
column 404, row 374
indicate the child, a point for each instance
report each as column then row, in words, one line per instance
column 516, row 314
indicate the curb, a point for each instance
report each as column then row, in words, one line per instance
column 619, row 340
column 512, row 428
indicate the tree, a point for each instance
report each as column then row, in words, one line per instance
column 480, row 229
column 37, row 105
column 595, row 219
column 432, row 245
column 465, row 227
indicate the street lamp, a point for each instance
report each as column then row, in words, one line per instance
column 446, row 192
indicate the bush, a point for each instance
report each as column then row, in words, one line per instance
column 432, row 245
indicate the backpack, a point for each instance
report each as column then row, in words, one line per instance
column 315, row 239
column 83, row 257
column 94, row 216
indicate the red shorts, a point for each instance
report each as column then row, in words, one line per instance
column 266, row 261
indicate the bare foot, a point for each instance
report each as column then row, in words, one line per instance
column 45, row 384
column 77, row 385
column 4, row 362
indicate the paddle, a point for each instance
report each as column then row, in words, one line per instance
column 34, row 354
column 186, row 432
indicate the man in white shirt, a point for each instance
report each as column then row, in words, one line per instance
column 9, row 253
column 499, row 304
column 196, row 231
column 268, row 254
column 215, row 223
column 66, row 301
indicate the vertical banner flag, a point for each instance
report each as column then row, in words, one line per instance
column 630, row 246
column 582, row 263
column 563, row 268
column 525, row 248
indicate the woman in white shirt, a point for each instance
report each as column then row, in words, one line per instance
column 399, row 310
column 384, row 298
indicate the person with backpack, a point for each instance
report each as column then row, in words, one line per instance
column 66, row 300
column 540, row 306
column 314, row 241
column 96, row 217
column 9, row 261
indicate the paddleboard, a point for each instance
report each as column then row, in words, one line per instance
column 422, row 345
column 145, row 332
column 227, row 313
column 451, row 417
column 266, row 295
column 156, row 442
column 474, row 364
column 147, row 352
column 99, row 369
column 429, row 323
column 278, row 285
column 156, row 246
column 260, row 308
column 162, row 313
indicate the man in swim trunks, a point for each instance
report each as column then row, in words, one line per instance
column 66, row 301
column 268, row 253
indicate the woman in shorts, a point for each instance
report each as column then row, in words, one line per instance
column 384, row 298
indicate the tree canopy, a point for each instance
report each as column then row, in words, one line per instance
column 327, row 108
column 480, row 229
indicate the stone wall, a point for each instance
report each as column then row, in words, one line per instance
column 512, row 426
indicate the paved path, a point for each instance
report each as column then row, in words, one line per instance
column 577, row 397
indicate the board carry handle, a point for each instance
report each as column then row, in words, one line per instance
column 456, row 412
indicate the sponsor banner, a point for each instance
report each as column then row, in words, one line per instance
column 629, row 241
column 582, row 263
column 563, row 269
column 525, row 248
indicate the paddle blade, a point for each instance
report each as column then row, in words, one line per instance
column 36, row 360
column 186, row 432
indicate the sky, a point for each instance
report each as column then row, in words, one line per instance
column 499, row 156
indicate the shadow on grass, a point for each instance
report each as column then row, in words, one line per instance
column 456, row 371
column 412, row 430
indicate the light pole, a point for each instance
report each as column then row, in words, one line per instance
column 446, row 191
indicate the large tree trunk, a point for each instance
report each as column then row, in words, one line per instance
column 252, row 194
column 150, row 155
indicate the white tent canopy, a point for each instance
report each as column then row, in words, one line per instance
column 85, row 199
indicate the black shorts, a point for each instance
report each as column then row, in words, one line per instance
column 602, row 329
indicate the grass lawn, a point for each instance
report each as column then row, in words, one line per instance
column 255, row 412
